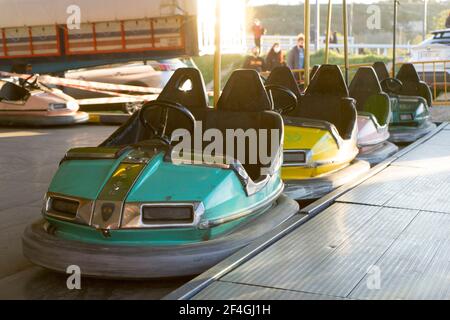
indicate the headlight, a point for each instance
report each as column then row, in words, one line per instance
column 60, row 207
column 293, row 158
column 73, row 105
column 56, row 106
column 168, row 215
column 162, row 215
column 66, row 208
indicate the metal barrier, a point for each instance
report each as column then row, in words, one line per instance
column 437, row 75
column 287, row 42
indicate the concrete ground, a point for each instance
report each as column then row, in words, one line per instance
column 28, row 160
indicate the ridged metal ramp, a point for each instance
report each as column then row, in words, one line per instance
column 384, row 237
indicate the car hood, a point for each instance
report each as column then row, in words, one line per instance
column 85, row 178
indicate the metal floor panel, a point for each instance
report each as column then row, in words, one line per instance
column 315, row 242
column 382, row 187
column 429, row 191
column 234, row 291
column 441, row 139
column 405, row 187
column 426, row 156
column 417, row 266
column 311, row 260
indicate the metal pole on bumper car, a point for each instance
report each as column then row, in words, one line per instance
column 344, row 13
column 217, row 54
column 327, row 40
column 394, row 41
column 307, row 39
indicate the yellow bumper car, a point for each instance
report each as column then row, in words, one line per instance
column 320, row 144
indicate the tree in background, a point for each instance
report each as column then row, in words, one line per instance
column 440, row 20
column 288, row 19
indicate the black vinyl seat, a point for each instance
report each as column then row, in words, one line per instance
column 365, row 88
column 314, row 71
column 282, row 76
column 327, row 99
column 381, row 70
column 186, row 87
column 412, row 85
column 244, row 104
column 244, row 91
column 12, row 92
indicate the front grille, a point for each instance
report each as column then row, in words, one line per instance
column 159, row 215
column 63, row 207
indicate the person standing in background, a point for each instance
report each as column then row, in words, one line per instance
column 296, row 56
column 254, row 61
column 447, row 22
column 258, row 31
column 274, row 57
column 334, row 39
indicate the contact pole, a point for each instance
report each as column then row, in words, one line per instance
column 307, row 40
column 317, row 45
column 327, row 40
column 344, row 13
column 217, row 55
column 394, row 44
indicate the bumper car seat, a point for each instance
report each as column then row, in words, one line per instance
column 321, row 133
column 374, row 114
column 13, row 92
column 410, row 103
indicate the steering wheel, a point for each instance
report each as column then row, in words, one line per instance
column 159, row 132
column 391, row 85
column 26, row 82
column 283, row 109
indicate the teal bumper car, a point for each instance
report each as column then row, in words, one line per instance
column 411, row 100
column 137, row 207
